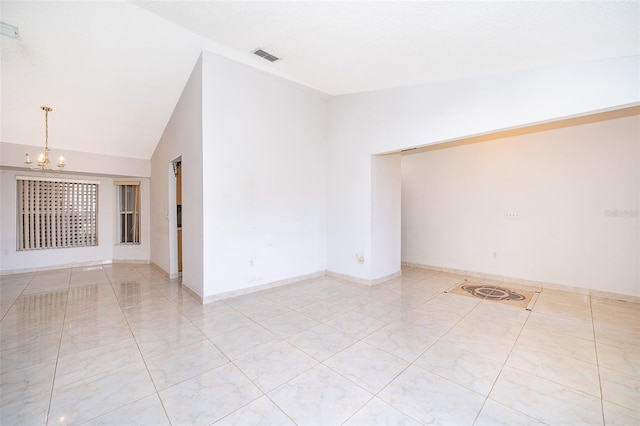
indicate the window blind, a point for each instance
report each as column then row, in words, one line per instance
column 56, row 213
column 129, row 211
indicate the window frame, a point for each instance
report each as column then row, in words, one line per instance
column 124, row 211
column 56, row 213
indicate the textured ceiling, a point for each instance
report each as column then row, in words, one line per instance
column 113, row 71
column 345, row 47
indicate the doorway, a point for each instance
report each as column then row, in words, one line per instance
column 178, row 173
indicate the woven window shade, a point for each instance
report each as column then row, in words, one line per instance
column 56, row 213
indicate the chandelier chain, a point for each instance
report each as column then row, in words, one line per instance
column 46, row 110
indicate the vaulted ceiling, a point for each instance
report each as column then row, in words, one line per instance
column 113, row 71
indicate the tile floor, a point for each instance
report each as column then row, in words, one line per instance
column 122, row 344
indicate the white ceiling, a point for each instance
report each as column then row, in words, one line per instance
column 113, row 71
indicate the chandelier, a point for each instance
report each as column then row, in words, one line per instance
column 43, row 159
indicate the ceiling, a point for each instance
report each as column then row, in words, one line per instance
column 113, row 71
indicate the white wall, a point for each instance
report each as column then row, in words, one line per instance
column 386, row 206
column 361, row 125
column 102, row 169
column 560, row 182
column 264, row 183
column 181, row 137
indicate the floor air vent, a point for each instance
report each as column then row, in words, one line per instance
column 269, row 57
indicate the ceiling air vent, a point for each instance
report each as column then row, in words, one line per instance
column 269, row 57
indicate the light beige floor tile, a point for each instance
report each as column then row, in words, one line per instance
column 451, row 304
column 494, row 414
column 261, row 412
column 356, row 324
column 431, row 320
column 29, row 355
column 571, row 327
column 266, row 308
column 289, row 323
column 614, row 307
column 19, row 385
column 274, row 365
column 6, row 302
column 208, row 397
column 381, row 310
column 457, row 341
column 322, row 341
column 79, row 340
column 378, row 412
column 545, row 400
column 222, row 322
column 293, row 298
column 322, row 310
column 195, row 310
column 178, row 335
column 617, row 336
column 367, row 366
column 182, row 363
column 99, row 395
column 347, row 300
column 406, row 342
column 465, row 368
column 488, row 326
column 620, row 388
column 622, row 319
column 502, row 311
column 430, row 399
column 491, row 346
column 560, row 310
column 564, row 297
column 32, row 310
column 31, row 411
column 406, row 300
column 570, row 372
column 97, row 361
column 320, row 396
column 29, row 337
column 561, row 344
column 152, row 317
column 143, row 412
column 79, row 324
column 21, row 322
column 45, row 287
column 246, row 301
column 615, row 415
column 237, row 342
column 622, row 359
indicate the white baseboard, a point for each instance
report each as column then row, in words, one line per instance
column 74, row 265
column 364, row 281
column 248, row 290
column 529, row 283
column 192, row 293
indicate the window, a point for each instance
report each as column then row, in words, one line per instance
column 129, row 212
column 56, row 213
